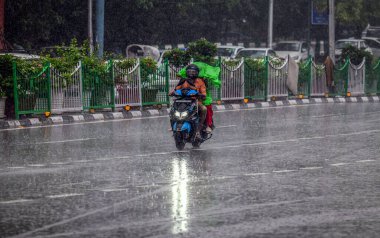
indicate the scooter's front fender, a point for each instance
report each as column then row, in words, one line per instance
column 182, row 126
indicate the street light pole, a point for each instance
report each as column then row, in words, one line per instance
column 89, row 25
column 270, row 24
column 332, row 30
column 100, row 27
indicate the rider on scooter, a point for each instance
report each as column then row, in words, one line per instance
column 194, row 82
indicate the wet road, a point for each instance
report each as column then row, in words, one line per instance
column 298, row 171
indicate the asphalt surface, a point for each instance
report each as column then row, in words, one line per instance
column 292, row 171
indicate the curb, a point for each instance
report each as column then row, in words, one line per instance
column 104, row 116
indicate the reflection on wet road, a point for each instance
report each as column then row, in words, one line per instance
column 276, row 172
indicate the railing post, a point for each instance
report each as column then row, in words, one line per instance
column 15, row 91
column 167, row 82
column 266, row 65
column 347, row 76
column 49, row 85
column 112, row 85
column 310, row 70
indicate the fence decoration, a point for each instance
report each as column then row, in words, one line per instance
column 256, row 79
column 318, row 82
column 340, row 82
column 85, row 88
column 31, row 92
column 277, row 79
column 372, row 82
column 232, row 78
column 127, row 85
column 305, row 78
column 66, row 90
column 98, row 87
column 155, row 85
column 356, row 78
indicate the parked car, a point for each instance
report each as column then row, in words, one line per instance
column 296, row 49
column 21, row 55
column 357, row 43
column 374, row 44
column 256, row 53
column 371, row 31
column 227, row 51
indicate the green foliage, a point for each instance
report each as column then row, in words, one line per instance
column 356, row 55
column 255, row 73
column 177, row 57
column 202, row 50
column 148, row 68
column 126, row 63
column 231, row 63
column 6, row 81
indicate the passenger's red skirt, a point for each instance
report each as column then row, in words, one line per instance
column 209, row 115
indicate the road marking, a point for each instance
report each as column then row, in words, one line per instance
column 82, row 161
column 64, row 141
column 16, row 201
column 59, row 163
column 36, row 165
column 311, row 168
column 108, row 190
column 365, row 161
column 284, row 171
column 256, row 174
column 17, row 167
column 65, row 195
column 339, row 164
column 217, row 127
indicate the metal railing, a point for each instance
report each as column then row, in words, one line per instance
column 85, row 88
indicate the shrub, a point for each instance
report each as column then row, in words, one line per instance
column 356, row 55
column 177, row 57
column 203, row 50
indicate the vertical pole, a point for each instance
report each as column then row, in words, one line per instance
column 15, row 91
column 111, row 74
column 49, row 86
column 270, row 24
column 310, row 76
column 309, row 28
column 266, row 65
column 166, row 63
column 2, row 40
column 89, row 25
column 332, row 30
column 100, row 26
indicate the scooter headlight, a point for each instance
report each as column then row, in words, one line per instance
column 184, row 115
column 181, row 115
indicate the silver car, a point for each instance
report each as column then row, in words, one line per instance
column 256, row 53
column 295, row 49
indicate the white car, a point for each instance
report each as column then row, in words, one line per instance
column 343, row 43
column 296, row 49
column 227, row 51
column 21, row 55
column 256, row 53
column 374, row 44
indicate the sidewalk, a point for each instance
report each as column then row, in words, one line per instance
column 41, row 120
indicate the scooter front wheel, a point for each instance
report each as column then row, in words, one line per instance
column 179, row 140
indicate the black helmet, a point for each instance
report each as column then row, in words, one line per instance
column 192, row 71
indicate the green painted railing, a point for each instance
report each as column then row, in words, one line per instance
column 340, row 80
column 372, row 82
column 155, row 85
column 305, row 78
column 32, row 92
column 256, row 79
column 98, row 87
